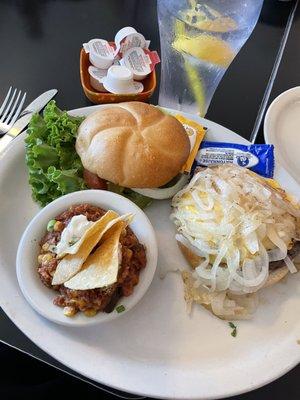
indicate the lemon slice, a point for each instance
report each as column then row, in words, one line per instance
column 206, row 48
column 197, row 87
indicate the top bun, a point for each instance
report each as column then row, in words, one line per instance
column 133, row 145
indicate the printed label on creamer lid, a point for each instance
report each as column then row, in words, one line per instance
column 101, row 54
column 96, row 76
column 140, row 61
column 102, row 48
column 99, row 47
column 97, row 72
column 133, row 40
column 127, row 38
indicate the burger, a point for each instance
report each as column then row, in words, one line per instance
column 133, row 148
column 240, row 233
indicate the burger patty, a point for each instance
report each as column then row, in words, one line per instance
column 92, row 300
column 292, row 253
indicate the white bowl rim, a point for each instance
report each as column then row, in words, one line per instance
column 98, row 198
column 271, row 114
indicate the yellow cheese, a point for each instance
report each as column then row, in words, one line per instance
column 196, row 133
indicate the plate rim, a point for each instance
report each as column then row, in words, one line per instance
column 122, row 388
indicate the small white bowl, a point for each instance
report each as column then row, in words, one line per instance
column 39, row 296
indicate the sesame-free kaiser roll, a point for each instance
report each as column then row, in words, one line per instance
column 133, row 145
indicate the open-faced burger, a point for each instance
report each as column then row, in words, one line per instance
column 91, row 257
column 240, row 233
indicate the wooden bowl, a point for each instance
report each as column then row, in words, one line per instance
column 103, row 97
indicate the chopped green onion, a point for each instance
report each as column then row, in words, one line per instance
column 50, row 225
column 234, row 329
column 120, row 308
column 73, row 240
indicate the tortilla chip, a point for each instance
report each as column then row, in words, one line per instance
column 98, row 225
column 72, row 263
column 102, row 267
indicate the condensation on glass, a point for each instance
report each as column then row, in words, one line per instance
column 199, row 40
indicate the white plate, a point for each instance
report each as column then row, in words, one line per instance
column 282, row 128
column 156, row 349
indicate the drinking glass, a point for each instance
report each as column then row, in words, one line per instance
column 199, row 39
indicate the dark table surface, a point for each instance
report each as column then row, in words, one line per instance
column 40, row 42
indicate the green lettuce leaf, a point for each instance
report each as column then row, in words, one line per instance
column 54, row 166
column 140, row 200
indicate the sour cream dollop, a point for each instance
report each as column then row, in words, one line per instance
column 73, row 232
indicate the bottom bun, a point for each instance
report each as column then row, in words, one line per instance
column 276, row 275
column 191, row 257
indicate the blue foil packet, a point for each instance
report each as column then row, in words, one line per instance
column 257, row 157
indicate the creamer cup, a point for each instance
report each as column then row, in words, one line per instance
column 141, row 62
column 96, row 76
column 119, row 80
column 101, row 54
column 127, row 38
column 122, row 33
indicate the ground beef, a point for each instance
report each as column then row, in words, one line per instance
column 292, row 253
column 93, row 300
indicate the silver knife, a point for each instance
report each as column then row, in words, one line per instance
column 25, row 117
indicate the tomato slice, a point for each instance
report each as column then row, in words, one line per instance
column 93, row 181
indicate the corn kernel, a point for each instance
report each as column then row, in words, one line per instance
column 45, row 246
column 45, row 258
column 58, row 226
column 69, row 311
column 90, row 312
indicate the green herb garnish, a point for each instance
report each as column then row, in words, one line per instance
column 50, row 225
column 73, row 240
column 120, row 308
column 234, row 329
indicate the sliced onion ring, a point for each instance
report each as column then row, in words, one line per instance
column 186, row 243
column 276, row 255
column 291, row 266
column 164, row 193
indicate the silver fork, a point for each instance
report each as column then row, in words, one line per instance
column 11, row 109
